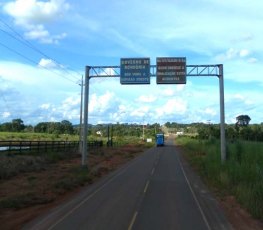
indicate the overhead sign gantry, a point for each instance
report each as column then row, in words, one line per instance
column 168, row 70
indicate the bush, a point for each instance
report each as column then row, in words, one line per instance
column 241, row 175
column 13, row 165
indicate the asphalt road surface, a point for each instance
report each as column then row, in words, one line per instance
column 157, row 190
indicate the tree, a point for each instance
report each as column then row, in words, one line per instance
column 67, row 127
column 17, row 125
column 41, row 127
column 242, row 120
column 6, row 127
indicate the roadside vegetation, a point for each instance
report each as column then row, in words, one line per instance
column 240, row 176
column 30, row 183
column 28, row 180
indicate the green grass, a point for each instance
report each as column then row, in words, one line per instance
column 13, row 136
column 241, row 175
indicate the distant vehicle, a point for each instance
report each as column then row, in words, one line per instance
column 159, row 139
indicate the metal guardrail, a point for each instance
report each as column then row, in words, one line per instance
column 42, row 146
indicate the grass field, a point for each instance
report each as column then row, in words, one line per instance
column 241, row 175
column 13, row 136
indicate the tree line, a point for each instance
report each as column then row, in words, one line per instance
column 240, row 130
column 17, row 125
column 252, row 132
column 66, row 127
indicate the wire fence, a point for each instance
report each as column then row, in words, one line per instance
column 43, row 146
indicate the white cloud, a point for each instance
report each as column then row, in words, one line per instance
column 231, row 53
column 140, row 112
column 71, row 102
column 27, row 12
column 23, row 74
column 252, row 60
column 45, row 106
column 242, row 98
column 68, row 109
column 6, row 115
column 147, row 98
column 32, row 15
column 244, row 53
column 167, row 92
column 47, row 63
column 39, row 32
column 99, row 104
column 210, row 111
column 172, row 106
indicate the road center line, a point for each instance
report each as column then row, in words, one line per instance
column 152, row 171
column 146, row 187
column 133, row 221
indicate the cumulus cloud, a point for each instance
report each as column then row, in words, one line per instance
column 147, row 98
column 47, row 63
column 32, row 15
column 140, row 112
column 168, row 92
column 39, row 33
column 172, row 106
column 45, row 106
column 252, row 60
column 68, row 109
column 232, row 54
column 99, row 104
column 210, row 111
column 244, row 53
column 71, row 103
column 50, row 64
column 6, row 115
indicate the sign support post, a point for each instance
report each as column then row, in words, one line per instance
column 222, row 114
column 84, row 162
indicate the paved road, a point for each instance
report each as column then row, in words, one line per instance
column 157, row 190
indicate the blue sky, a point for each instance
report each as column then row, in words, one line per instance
column 42, row 83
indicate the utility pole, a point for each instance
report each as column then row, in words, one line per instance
column 143, row 130
column 80, row 119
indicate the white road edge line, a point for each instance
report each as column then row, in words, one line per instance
column 133, row 221
column 195, row 198
column 152, row 171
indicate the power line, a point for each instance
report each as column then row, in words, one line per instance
column 30, row 60
column 31, row 46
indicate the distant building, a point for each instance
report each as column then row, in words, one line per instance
column 179, row 133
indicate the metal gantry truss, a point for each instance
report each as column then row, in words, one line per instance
column 191, row 71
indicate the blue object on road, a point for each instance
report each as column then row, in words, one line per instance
column 159, row 139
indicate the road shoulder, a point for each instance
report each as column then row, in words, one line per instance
column 238, row 218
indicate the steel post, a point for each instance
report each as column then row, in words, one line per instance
column 222, row 114
column 85, row 125
column 80, row 118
